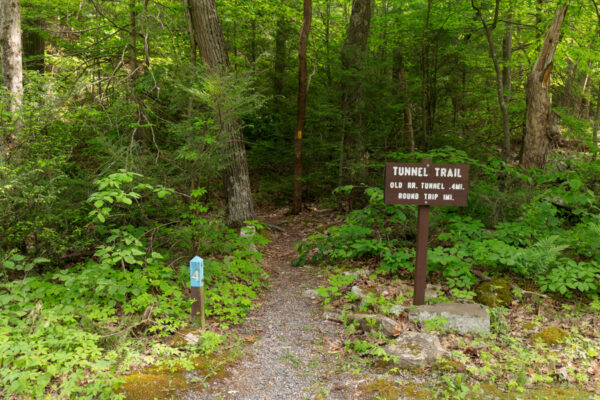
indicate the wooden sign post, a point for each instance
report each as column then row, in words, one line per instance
column 197, row 284
column 425, row 184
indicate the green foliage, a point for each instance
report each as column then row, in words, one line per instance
column 61, row 327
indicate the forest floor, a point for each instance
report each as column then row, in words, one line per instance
column 287, row 349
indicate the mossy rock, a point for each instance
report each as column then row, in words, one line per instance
column 494, row 293
column 551, row 336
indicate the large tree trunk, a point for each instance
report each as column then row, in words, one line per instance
column 12, row 67
column 302, row 89
column 352, row 57
column 538, row 120
column 211, row 43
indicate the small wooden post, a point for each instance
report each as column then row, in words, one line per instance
column 197, row 292
column 421, row 256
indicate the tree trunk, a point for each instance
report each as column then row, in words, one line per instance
column 12, row 67
column 400, row 76
column 280, row 56
column 538, row 121
column 352, row 57
column 499, row 77
column 302, row 89
column 507, row 56
column 210, row 40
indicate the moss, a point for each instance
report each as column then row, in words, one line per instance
column 411, row 391
column 162, row 383
column 142, row 385
column 445, row 365
column 551, row 336
column 494, row 293
column 529, row 326
column 382, row 389
column 488, row 392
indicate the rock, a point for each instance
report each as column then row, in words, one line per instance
column 310, row 294
column 551, row 336
column 415, row 349
column 431, row 291
column 356, row 272
column 249, row 232
column 358, row 291
column 373, row 322
column 396, row 309
column 362, row 293
column 333, row 317
column 464, row 318
column 494, row 293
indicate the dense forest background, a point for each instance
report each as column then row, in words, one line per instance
column 137, row 134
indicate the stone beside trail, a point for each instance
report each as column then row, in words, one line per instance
column 463, row 318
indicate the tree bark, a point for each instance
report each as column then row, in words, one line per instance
column 352, row 58
column 280, row 56
column 12, row 67
column 400, row 76
column 302, row 89
column 210, row 40
column 538, row 120
column 499, row 77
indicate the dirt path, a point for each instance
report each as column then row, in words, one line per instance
column 295, row 354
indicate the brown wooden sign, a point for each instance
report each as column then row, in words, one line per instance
column 426, row 184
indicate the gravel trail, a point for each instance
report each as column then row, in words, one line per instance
column 291, row 358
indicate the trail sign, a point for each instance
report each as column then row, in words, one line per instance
column 197, row 272
column 197, row 291
column 425, row 184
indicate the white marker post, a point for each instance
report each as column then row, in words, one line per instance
column 197, row 284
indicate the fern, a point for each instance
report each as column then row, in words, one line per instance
column 541, row 257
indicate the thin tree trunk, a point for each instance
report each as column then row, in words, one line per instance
column 142, row 119
column 280, row 56
column 425, row 59
column 507, row 56
column 499, row 77
column 400, row 76
column 211, row 42
column 596, row 126
column 12, row 68
column 302, row 89
column 538, row 121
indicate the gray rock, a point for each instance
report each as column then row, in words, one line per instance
column 310, row 294
column 373, row 322
column 333, row 317
column 358, row 291
column 464, row 318
column 248, row 231
column 415, row 349
column 397, row 309
column 357, row 272
column 431, row 291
